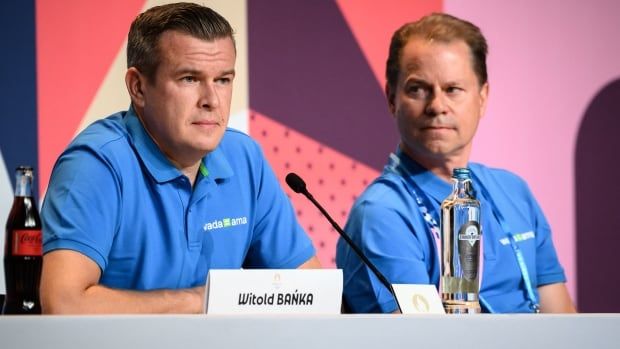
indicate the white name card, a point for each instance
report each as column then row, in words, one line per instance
column 418, row 299
column 274, row 291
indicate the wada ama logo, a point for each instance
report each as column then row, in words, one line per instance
column 225, row 223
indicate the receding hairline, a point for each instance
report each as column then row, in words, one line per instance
column 408, row 67
column 441, row 27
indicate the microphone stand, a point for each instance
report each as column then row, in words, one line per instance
column 355, row 248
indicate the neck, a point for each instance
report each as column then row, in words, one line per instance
column 189, row 167
column 441, row 166
column 191, row 171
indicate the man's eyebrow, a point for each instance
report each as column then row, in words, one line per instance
column 412, row 66
column 192, row 71
column 185, row 70
column 228, row 72
column 417, row 80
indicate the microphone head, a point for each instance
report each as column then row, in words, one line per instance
column 296, row 183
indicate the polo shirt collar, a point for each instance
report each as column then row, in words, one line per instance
column 433, row 186
column 214, row 165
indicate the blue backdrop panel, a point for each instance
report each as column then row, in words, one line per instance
column 18, row 95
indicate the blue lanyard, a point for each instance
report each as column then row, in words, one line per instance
column 531, row 295
column 423, row 202
column 421, row 199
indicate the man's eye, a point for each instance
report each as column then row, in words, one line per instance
column 416, row 91
column 188, row 79
column 453, row 90
column 223, row 81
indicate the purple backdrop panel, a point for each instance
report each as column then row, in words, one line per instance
column 597, row 170
column 308, row 72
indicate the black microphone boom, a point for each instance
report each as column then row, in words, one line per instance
column 299, row 186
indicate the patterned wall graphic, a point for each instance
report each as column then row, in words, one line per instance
column 333, row 178
column 316, row 83
column 311, row 74
column 328, row 86
column 373, row 22
column 76, row 43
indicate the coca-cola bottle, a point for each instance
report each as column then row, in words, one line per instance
column 22, row 249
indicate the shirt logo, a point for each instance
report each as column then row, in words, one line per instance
column 519, row 237
column 225, row 223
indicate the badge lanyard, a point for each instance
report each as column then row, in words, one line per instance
column 395, row 167
column 423, row 205
column 423, row 202
column 531, row 295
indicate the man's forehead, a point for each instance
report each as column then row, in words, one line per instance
column 412, row 65
column 176, row 33
column 179, row 44
column 411, row 55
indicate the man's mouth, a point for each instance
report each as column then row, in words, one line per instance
column 206, row 123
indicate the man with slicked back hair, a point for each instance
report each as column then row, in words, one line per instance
column 142, row 204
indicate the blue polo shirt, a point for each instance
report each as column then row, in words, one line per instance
column 386, row 222
column 115, row 197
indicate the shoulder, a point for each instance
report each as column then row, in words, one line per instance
column 235, row 143
column 485, row 171
column 387, row 193
column 105, row 140
column 104, row 144
column 499, row 178
column 101, row 132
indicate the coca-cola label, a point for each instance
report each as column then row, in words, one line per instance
column 27, row 243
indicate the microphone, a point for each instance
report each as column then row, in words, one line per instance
column 299, row 186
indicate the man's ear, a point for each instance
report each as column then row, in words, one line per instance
column 389, row 95
column 484, row 97
column 135, row 82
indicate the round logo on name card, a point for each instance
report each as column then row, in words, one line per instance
column 277, row 280
column 420, row 303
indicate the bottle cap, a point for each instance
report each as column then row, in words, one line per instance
column 24, row 168
column 461, row 173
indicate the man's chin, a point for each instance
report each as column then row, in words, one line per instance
column 438, row 149
column 209, row 142
column 209, row 146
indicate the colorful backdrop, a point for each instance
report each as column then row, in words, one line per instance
column 309, row 88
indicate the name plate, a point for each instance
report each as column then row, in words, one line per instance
column 274, row 291
column 418, row 299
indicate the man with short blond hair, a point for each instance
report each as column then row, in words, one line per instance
column 437, row 90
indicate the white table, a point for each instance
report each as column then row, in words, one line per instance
column 316, row 332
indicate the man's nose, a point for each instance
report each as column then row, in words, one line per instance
column 209, row 98
column 436, row 104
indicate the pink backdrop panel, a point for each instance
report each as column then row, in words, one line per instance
column 76, row 43
column 547, row 61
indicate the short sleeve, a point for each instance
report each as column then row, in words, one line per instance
column 548, row 268
column 278, row 241
column 81, row 206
